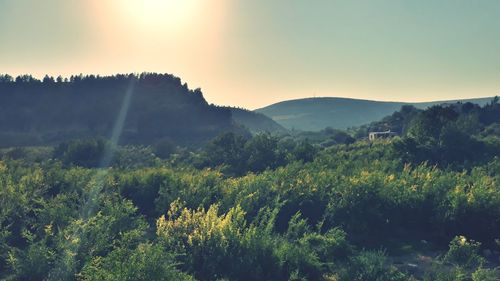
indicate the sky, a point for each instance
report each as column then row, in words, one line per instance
column 251, row 53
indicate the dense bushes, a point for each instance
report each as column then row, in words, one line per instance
column 216, row 246
column 86, row 153
column 451, row 136
column 143, row 262
column 287, row 212
column 236, row 155
column 95, row 153
column 287, row 222
column 464, row 252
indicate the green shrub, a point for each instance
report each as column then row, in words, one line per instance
column 464, row 252
column 441, row 273
column 372, row 266
column 34, row 263
column 483, row 274
column 213, row 246
column 145, row 262
column 164, row 148
column 85, row 153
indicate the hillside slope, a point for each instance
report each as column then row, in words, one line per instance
column 141, row 108
column 255, row 122
column 313, row 114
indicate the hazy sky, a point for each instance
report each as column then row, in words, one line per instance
column 252, row 53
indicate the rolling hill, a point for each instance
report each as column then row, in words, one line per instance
column 313, row 114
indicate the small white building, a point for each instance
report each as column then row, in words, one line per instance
column 381, row 135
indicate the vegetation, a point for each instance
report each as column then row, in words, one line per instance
column 315, row 114
column 154, row 106
column 260, row 208
column 450, row 135
column 255, row 122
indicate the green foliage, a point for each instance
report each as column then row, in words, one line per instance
column 133, row 157
column 34, row 263
column 164, row 148
column 262, row 153
column 227, row 150
column 305, row 152
column 261, row 208
column 153, row 189
column 450, row 136
column 331, row 248
column 237, row 251
column 235, row 155
column 145, row 262
column 464, row 252
column 85, row 153
column 444, row 274
column 372, row 266
column 483, row 274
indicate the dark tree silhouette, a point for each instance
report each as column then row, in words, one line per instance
column 36, row 112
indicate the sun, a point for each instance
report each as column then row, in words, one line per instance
column 160, row 13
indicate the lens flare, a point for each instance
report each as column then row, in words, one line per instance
column 64, row 267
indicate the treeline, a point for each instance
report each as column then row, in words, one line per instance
column 459, row 136
column 155, row 106
column 232, row 154
column 469, row 117
column 236, row 155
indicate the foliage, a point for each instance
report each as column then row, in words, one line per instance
column 236, row 251
column 236, row 155
column 226, row 150
column 482, row 274
column 371, row 265
column 164, row 148
column 85, row 153
column 259, row 208
column 450, row 136
column 464, row 252
column 145, row 262
column 48, row 111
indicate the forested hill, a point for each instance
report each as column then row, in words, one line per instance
column 314, row 114
column 47, row 111
column 256, row 122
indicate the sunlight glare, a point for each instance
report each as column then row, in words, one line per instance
column 161, row 13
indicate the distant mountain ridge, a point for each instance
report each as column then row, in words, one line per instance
column 314, row 114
